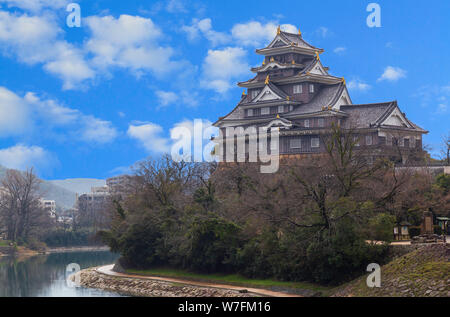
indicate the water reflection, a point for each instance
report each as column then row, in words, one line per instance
column 45, row 275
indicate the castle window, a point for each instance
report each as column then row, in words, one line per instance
column 306, row 123
column 412, row 142
column 356, row 140
column 315, row 142
column 295, row 143
column 321, row 122
column 298, row 89
column 389, row 140
column 250, row 112
column 311, row 88
column 368, row 140
column 255, row 93
column 401, row 142
column 280, row 109
column 291, row 107
column 265, row 111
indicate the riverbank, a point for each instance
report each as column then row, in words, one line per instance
column 423, row 272
column 147, row 287
column 26, row 252
column 76, row 249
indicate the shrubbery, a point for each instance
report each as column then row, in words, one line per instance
column 64, row 238
column 309, row 221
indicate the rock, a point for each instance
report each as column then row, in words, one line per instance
column 140, row 287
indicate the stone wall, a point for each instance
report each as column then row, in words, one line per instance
column 150, row 288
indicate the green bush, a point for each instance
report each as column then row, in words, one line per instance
column 67, row 238
column 343, row 256
column 36, row 245
column 139, row 245
column 381, row 227
column 214, row 244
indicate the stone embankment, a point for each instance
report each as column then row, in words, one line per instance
column 90, row 278
column 424, row 272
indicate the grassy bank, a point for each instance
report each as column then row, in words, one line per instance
column 422, row 273
column 238, row 280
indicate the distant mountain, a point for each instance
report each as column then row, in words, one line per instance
column 79, row 185
column 63, row 191
column 64, row 198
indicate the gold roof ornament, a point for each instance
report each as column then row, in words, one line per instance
column 330, row 107
column 278, row 30
column 288, row 98
column 343, row 80
column 278, row 116
column 267, row 80
column 293, row 62
column 323, row 108
column 244, row 93
column 317, row 56
column 299, row 32
column 272, row 59
column 264, row 62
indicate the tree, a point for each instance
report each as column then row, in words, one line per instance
column 446, row 148
column 21, row 212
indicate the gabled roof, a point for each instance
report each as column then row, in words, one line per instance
column 270, row 89
column 275, row 64
column 314, row 65
column 290, row 41
column 301, row 77
column 288, row 38
column 328, row 96
column 378, row 115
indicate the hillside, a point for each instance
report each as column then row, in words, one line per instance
column 63, row 191
column 424, row 272
column 79, row 185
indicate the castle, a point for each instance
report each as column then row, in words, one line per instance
column 293, row 91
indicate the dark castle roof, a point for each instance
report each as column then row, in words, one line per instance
column 326, row 97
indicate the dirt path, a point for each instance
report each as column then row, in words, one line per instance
column 107, row 270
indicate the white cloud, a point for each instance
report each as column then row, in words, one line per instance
column 97, row 130
column 432, row 95
column 358, row 85
column 19, row 115
column 340, row 50
column 166, row 97
column 149, row 136
column 222, row 66
column 255, row 33
column 204, row 27
column 22, row 157
column 152, row 138
column 128, row 42
column 252, row 33
column 37, row 40
column 36, row 5
column 14, row 113
column 323, row 31
column 392, row 74
column 176, row 6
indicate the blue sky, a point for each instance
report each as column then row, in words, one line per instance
column 91, row 101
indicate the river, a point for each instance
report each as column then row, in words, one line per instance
column 45, row 275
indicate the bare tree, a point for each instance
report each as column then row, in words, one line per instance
column 446, row 148
column 21, row 212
